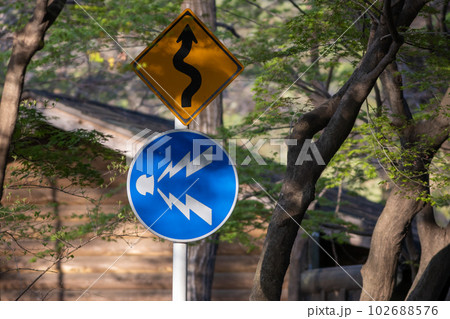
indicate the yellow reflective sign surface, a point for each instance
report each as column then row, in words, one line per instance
column 187, row 66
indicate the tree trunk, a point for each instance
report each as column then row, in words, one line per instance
column 202, row 258
column 403, row 204
column 26, row 43
column 298, row 264
column 336, row 117
column 380, row 269
column 411, row 252
column 210, row 119
column 431, row 283
column 202, row 255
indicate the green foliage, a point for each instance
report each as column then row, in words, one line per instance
column 283, row 54
column 253, row 209
column 64, row 162
column 278, row 45
column 45, row 151
column 406, row 165
column 315, row 220
column 78, row 51
column 285, row 51
column 426, row 60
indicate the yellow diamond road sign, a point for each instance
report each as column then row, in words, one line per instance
column 186, row 66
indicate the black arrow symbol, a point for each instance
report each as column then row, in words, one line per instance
column 186, row 37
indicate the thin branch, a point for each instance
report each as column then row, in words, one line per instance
column 329, row 77
column 297, row 6
column 242, row 17
column 309, row 86
column 373, row 7
column 229, row 28
column 47, row 294
column 318, row 86
column 144, row 98
column 378, row 100
column 254, row 4
column 304, row 86
column 50, row 267
column 431, row 49
column 370, row 13
column 392, row 85
column 388, row 58
column 264, row 9
column 338, row 200
column 17, row 243
column 333, row 250
column 25, row 268
column 390, row 22
column 313, row 204
column 345, row 229
column 50, row 187
column 35, row 280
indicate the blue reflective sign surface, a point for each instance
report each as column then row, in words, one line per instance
column 182, row 185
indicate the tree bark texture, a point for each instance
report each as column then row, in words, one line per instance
column 210, row 119
column 380, row 269
column 433, row 278
column 298, row 264
column 26, row 43
column 202, row 255
column 202, row 258
column 336, row 117
column 403, row 204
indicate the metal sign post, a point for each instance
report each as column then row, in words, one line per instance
column 180, row 256
column 178, row 125
column 179, row 272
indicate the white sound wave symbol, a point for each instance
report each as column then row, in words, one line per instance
column 203, row 211
column 146, row 185
column 201, row 161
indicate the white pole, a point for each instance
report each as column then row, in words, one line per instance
column 179, row 272
column 178, row 125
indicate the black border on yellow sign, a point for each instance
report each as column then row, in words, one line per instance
column 240, row 67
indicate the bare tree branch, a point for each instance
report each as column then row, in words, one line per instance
column 297, row 7
column 53, row 264
column 229, row 28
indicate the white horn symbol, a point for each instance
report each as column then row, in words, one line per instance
column 145, row 185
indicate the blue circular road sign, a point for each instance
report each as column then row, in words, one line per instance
column 182, row 185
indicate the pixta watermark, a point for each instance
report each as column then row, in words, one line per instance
column 253, row 148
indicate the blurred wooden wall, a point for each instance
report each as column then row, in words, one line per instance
column 132, row 269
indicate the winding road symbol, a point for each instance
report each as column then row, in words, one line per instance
column 187, row 66
column 187, row 37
